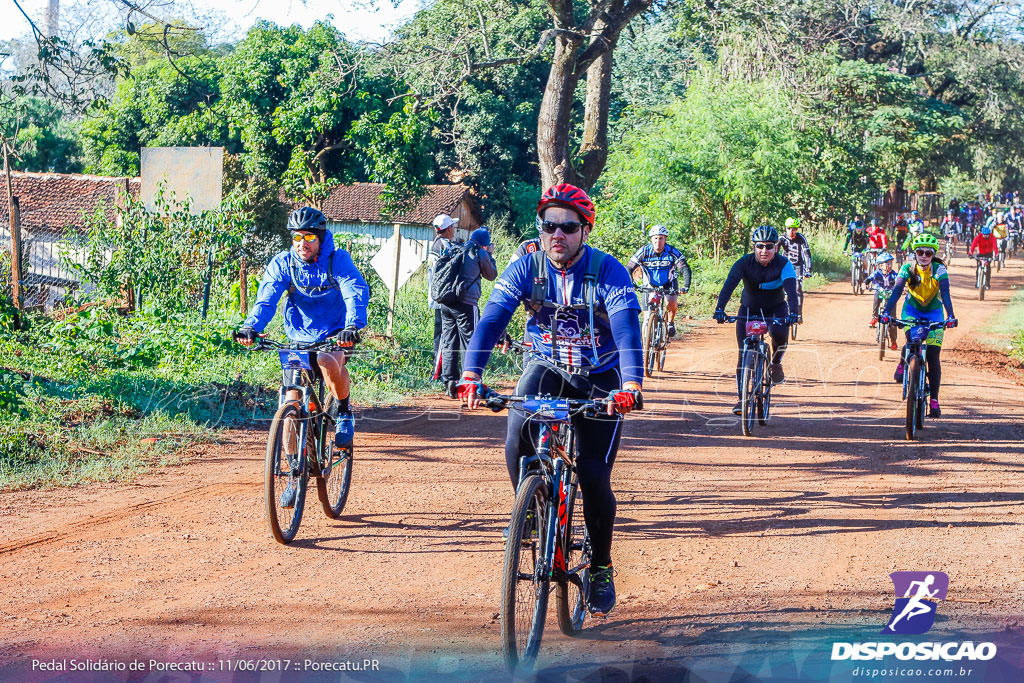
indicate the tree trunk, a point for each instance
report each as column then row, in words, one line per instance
column 555, row 115
column 594, row 150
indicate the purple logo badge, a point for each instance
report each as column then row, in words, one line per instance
column 916, row 596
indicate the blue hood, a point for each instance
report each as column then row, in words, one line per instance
column 317, row 307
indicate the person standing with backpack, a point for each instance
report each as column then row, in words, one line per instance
column 444, row 233
column 455, row 288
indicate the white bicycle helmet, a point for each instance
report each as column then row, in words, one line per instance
column 657, row 230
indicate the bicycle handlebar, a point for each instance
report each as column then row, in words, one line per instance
column 915, row 322
column 265, row 344
column 498, row 402
column 770, row 321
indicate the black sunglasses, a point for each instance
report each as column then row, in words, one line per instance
column 570, row 228
column 765, row 246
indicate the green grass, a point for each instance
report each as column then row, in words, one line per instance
column 1006, row 329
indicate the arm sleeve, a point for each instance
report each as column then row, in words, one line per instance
column 806, row 249
column 353, row 289
column 625, row 326
column 947, row 302
column 849, row 234
column 789, row 284
column 488, row 268
column 684, row 269
column 897, row 289
column 272, row 286
column 733, row 279
column 492, row 323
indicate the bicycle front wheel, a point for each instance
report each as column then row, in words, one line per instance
column 648, row 340
column 749, row 383
column 764, row 396
column 913, row 371
column 285, row 475
column 570, row 601
column 524, row 585
column 883, row 337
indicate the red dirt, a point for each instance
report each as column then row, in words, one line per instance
column 722, row 542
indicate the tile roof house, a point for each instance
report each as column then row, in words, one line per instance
column 52, row 205
column 355, row 210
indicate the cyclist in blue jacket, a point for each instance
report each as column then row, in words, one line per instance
column 769, row 280
column 662, row 264
column 597, row 355
column 327, row 297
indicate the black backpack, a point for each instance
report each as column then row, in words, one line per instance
column 448, row 283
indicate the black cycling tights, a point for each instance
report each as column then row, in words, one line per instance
column 931, row 356
column 597, row 440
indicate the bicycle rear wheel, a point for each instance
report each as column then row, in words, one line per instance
column 570, row 601
column 283, row 468
column 335, row 477
column 662, row 344
column 749, row 384
column 913, row 371
column 524, row 592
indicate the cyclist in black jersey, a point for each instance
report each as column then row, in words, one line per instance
column 793, row 245
column 769, row 280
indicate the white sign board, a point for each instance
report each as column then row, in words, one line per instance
column 197, row 172
column 384, row 261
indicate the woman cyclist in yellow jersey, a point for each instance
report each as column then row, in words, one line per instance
column 927, row 284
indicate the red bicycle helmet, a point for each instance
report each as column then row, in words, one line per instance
column 571, row 197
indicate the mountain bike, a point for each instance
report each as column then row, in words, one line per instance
column 755, row 373
column 982, row 275
column 915, row 378
column 654, row 331
column 949, row 250
column 1001, row 256
column 309, row 421
column 857, row 272
column 882, row 329
column 547, row 540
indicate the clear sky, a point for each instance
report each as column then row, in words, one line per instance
column 360, row 20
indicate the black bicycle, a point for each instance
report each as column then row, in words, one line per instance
column 915, row 378
column 547, row 537
column 755, row 373
column 308, row 420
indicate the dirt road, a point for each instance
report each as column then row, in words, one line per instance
column 733, row 554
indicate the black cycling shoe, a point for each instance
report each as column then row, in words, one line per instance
column 738, row 408
column 671, row 329
column 778, row 376
column 451, row 388
column 601, row 600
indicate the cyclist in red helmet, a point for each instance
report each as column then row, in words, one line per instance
column 593, row 351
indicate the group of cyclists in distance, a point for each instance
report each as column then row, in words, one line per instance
column 583, row 331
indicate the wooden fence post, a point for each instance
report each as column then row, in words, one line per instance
column 243, row 287
column 393, row 298
column 14, row 223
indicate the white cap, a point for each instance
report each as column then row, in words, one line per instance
column 657, row 230
column 443, row 221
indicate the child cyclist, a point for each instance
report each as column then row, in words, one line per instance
column 927, row 284
column 883, row 278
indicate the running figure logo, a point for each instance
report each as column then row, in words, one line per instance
column 916, row 596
